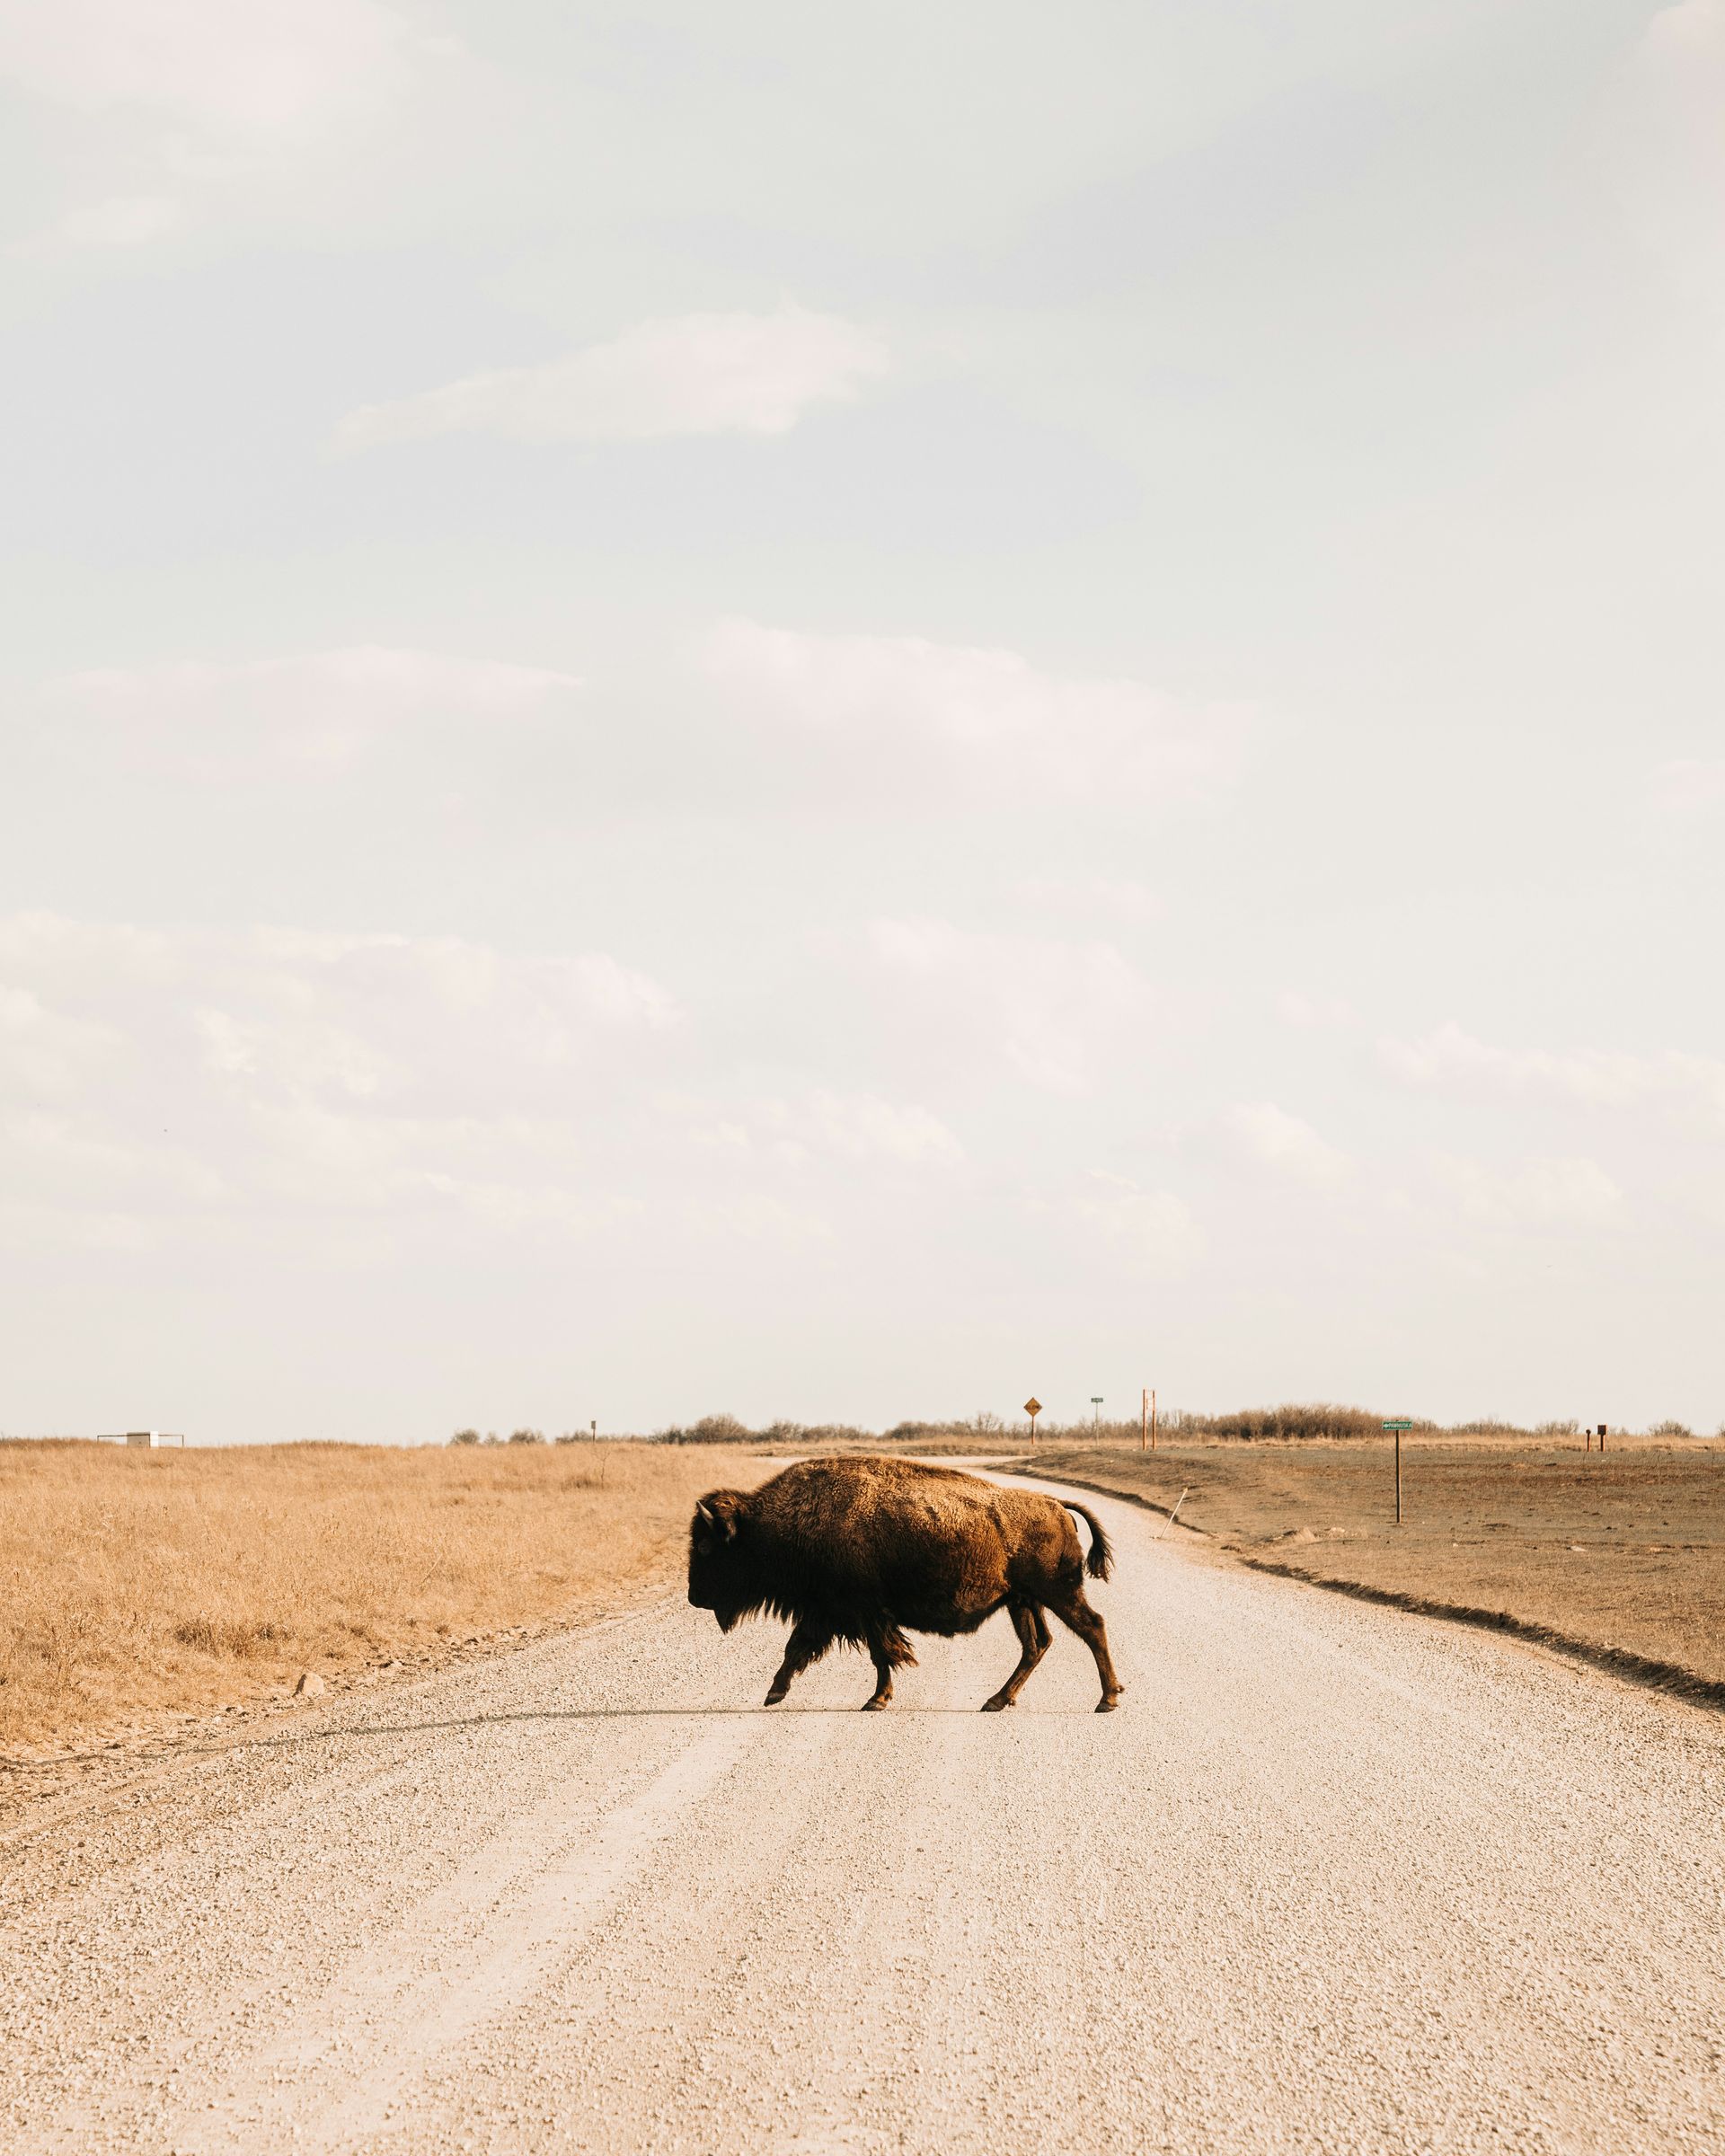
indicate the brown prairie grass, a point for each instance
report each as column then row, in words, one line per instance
column 1623, row 1553
column 133, row 1583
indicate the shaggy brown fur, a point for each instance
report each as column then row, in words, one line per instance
column 862, row 1549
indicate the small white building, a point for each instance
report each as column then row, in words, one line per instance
column 149, row 1437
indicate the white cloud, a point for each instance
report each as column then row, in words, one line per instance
column 818, row 1123
column 179, row 103
column 691, row 373
column 1122, row 898
column 1671, row 143
column 1452, row 1060
column 1269, row 1134
column 1152, row 1228
column 1053, row 1009
column 116, row 221
column 233, row 68
column 43, row 1051
column 1310, row 1013
column 864, row 1127
column 902, row 709
column 1543, row 1190
column 1688, row 789
column 315, row 1072
column 316, row 712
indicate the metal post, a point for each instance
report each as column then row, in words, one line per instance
column 1144, row 1424
column 1398, row 1478
column 1153, row 1418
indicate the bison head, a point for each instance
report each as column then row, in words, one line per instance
column 720, row 1572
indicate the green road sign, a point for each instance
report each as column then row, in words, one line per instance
column 1404, row 1425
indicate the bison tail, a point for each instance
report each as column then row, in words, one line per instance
column 1100, row 1560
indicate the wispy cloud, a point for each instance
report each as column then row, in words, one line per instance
column 1452, row 1059
column 690, row 374
column 1284, row 1143
column 1559, row 1191
column 314, row 710
column 1688, row 789
column 1673, row 146
column 202, row 91
column 270, row 1069
column 1153, row 1230
column 820, row 1123
column 904, row 709
column 1055, row 1010
column 263, row 67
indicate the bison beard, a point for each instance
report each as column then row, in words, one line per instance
column 861, row 1549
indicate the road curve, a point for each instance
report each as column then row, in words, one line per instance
column 1335, row 1879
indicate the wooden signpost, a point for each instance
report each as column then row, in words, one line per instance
column 1398, row 1426
column 1032, row 1407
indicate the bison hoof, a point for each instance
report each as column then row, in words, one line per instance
column 873, row 1706
column 773, row 1698
column 996, row 1705
column 1107, row 1706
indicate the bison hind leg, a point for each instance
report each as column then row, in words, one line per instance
column 1033, row 1636
column 1076, row 1614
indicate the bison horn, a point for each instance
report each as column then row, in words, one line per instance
column 718, row 1513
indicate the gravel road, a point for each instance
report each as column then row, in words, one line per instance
column 1334, row 1879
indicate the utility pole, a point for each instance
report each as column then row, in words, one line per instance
column 1096, row 1417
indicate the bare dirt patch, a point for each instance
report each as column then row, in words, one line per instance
column 135, row 1584
column 1624, row 1554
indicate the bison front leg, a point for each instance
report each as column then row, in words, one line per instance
column 808, row 1643
column 888, row 1649
column 1033, row 1637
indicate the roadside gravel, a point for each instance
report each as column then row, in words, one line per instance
column 1335, row 1879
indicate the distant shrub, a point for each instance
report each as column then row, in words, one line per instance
column 712, row 1429
column 1670, row 1429
column 1291, row 1420
column 527, row 1436
column 1557, row 1429
column 466, row 1438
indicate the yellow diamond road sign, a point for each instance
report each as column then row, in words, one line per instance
column 1032, row 1406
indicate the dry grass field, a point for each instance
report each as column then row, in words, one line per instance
column 134, row 1582
column 1623, row 1553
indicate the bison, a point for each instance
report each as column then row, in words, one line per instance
column 859, row 1549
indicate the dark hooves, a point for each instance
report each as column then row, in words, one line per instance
column 1106, row 1706
column 995, row 1705
column 772, row 1699
column 873, row 1706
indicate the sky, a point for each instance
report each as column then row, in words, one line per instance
column 837, row 714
